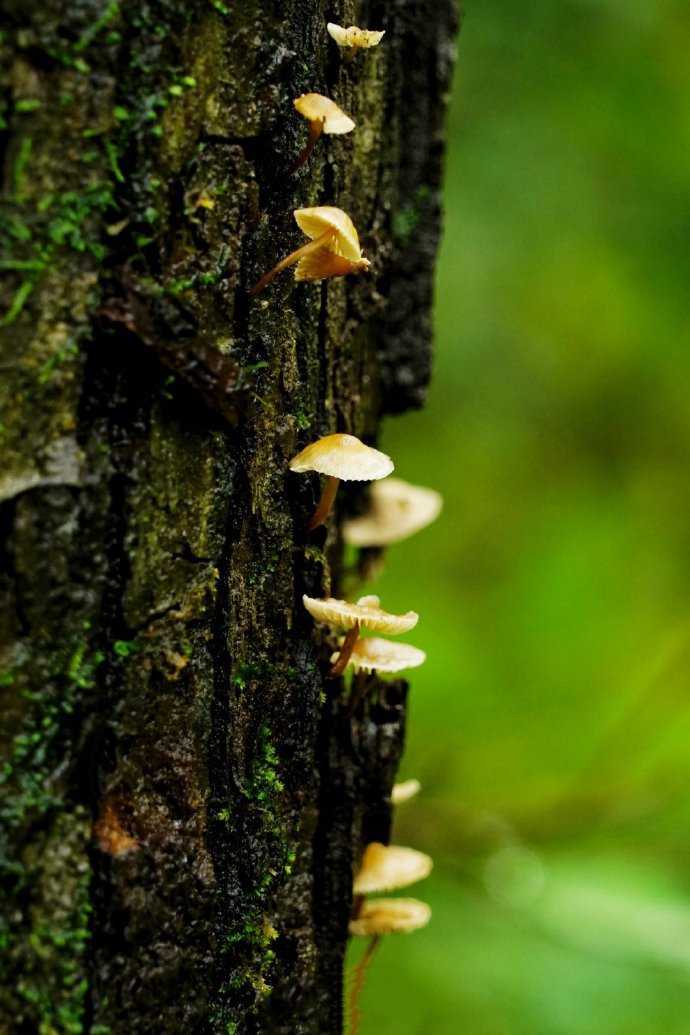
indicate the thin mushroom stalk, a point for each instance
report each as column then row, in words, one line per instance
column 366, row 613
column 357, row 905
column 290, row 260
column 324, row 116
column 358, row 977
column 325, row 503
column 333, row 249
column 340, row 458
column 315, row 131
column 346, row 650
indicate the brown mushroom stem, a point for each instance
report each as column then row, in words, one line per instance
column 326, row 502
column 359, row 973
column 291, row 259
column 315, row 130
column 348, row 646
column 357, row 904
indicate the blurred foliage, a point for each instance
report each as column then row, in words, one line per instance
column 550, row 726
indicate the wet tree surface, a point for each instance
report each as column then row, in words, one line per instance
column 183, row 797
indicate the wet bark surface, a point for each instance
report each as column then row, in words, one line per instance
column 183, row 797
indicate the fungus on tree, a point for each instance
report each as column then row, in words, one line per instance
column 376, row 655
column 402, row 792
column 378, row 917
column 352, row 39
column 390, row 915
column 388, row 867
column 333, row 249
column 365, row 614
column 396, row 510
column 384, row 868
column 340, row 458
column 324, row 116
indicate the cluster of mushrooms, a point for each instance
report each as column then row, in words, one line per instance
column 396, row 510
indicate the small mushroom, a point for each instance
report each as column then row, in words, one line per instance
column 388, row 867
column 376, row 918
column 340, row 458
column 404, row 791
column 353, row 38
column 376, row 655
column 324, row 116
column 390, row 915
column 365, row 614
column 333, row 250
column 396, row 510
column 383, row 868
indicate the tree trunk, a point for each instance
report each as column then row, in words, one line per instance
column 183, row 795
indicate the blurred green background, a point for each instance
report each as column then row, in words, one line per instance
column 550, row 726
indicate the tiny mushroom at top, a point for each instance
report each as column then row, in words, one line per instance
column 352, row 38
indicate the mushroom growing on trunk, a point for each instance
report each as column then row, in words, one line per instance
column 396, row 510
column 389, row 867
column 324, row 116
column 340, row 458
column 365, row 614
column 333, row 250
column 352, row 38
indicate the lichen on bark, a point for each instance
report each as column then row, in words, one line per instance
column 184, row 797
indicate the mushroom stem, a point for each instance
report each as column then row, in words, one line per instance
column 315, row 130
column 359, row 973
column 290, row 260
column 357, row 904
column 349, row 642
column 325, row 504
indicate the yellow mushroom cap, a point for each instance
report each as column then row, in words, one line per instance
column 353, row 36
column 323, row 262
column 390, row 915
column 317, row 108
column 316, row 221
column 345, row 457
column 366, row 613
column 404, row 791
column 386, row 867
column 397, row 510
column 373, row 654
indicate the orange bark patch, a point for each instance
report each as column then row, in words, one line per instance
column 109, row 834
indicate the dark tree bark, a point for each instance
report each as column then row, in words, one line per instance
column 183, row 795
